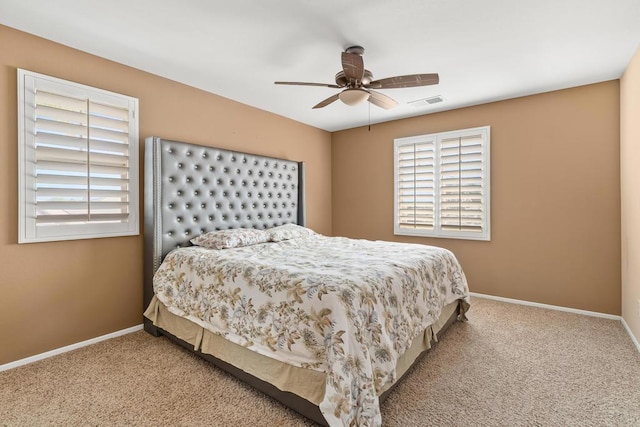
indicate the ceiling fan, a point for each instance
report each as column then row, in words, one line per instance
column 358, row 84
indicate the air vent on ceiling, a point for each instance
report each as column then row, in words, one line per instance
column 426, row 101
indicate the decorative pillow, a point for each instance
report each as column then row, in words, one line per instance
column 288, row 231
column 231, row 238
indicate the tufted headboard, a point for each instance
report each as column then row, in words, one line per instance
column 192, row 189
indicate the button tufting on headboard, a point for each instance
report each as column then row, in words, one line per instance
column 205, row 188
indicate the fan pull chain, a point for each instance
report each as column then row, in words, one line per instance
column 369, row 117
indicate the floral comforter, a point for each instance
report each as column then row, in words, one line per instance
column 345, row 307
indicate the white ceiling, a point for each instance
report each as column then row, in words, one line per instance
column 483, row 50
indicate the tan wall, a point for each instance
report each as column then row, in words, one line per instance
column 59, row 293
column 555, row 200
column 630, row 189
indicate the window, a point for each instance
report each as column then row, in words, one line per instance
column 442, row 185
column 78, row 161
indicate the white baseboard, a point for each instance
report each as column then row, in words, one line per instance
column 567, row 309
column 67, row 348
column 548, row 306
column 633, row 338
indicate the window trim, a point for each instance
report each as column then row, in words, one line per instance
column 27, row 229
column 437, row 232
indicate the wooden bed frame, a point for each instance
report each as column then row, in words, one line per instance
column 191, row 189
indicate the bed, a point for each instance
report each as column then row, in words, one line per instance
column 302, row 317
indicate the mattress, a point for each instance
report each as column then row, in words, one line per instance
column 345, row 309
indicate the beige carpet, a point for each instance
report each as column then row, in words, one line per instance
column 509, row 365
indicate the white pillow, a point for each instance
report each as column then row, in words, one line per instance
column 231, row 238
column 288, row 231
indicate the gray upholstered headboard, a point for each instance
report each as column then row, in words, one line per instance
column 191, row 189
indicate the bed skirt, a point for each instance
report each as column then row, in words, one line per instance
column 305, row 383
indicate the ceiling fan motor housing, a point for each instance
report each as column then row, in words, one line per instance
column 342, row 81
column 358, row 50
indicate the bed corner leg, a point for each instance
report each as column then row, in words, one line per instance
column 151, row 328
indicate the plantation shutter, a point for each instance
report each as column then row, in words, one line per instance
column 461, row 184
column 80, row 160
column 416, row 185
column 442, row 185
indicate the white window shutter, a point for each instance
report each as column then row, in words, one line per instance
column 415, row 185
column 78, row 161
column 461, row 183
column 442, row 185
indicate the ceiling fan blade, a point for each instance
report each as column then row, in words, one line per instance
column 307, row 84
column 412, row 80
column 353, row 66
column 327, row 101
column 381, row 100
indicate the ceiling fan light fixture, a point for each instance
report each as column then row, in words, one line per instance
column 353, row 96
